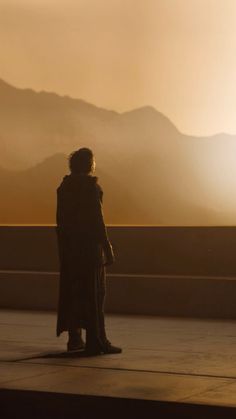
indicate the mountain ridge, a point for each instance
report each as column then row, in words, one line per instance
column 141, row 109
column 151, row 172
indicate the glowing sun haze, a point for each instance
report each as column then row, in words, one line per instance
column 176, row 55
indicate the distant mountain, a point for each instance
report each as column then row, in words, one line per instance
column 29, row 197
column 36, row 125
column 151, row 173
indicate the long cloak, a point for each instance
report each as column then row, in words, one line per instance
column 82, row 238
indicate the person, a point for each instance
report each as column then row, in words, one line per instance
column 84, row 252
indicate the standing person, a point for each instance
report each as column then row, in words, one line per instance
column 84, row 251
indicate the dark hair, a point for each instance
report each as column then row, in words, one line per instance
column 81, row 161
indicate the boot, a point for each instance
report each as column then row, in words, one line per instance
column 108, row 348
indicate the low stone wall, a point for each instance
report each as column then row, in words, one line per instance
column 199, row 251
column 167, row 271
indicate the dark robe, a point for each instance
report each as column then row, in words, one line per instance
column 82, row 243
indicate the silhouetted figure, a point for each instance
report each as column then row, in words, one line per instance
column 84, row 250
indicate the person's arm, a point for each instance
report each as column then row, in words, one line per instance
column 101, row 228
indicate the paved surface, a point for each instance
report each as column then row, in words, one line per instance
column 183, row 360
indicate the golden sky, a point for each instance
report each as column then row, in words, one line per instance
column 176, row 55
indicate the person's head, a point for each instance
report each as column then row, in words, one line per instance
column 82, row 161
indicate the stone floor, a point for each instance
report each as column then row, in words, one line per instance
column 164, row 359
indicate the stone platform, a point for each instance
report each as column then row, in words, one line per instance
column 170, row 367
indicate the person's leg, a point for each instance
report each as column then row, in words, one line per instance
column 75, row 341
column 95, row 328
column 101, row 293
column 108, row 348
column 96, row 339
column 75, row 333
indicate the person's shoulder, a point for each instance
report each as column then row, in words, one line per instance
column 94, row 181
column 63, row 182
column 96, row 187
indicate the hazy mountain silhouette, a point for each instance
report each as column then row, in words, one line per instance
column 30, row 194
column 29, row 198
column 151, row 173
